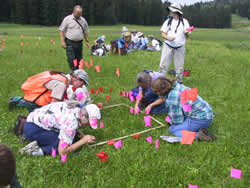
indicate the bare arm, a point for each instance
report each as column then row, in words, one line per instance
column 157, row 102
column 62, row 37
column 76, row 145
column 86, row 37
column 139, row 100
column 165, row 36
column 119, row 51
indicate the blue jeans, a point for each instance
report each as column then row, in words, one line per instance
column 189, row 124
column 45, row 139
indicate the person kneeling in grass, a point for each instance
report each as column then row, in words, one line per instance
column 146, row 97
column 197, row 119
column 118, row 46
column 50, row 126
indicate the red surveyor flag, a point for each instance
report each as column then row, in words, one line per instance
column 117, row 72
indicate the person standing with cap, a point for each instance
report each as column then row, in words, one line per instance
column 174, row 31
column 72, row 31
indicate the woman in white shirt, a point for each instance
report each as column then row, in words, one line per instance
column 174, row 31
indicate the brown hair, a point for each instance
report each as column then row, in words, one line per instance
column 143, row 78
column 7, row 165
column 163, row 85
column 52, row 72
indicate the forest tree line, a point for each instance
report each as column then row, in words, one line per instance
column 216, row 14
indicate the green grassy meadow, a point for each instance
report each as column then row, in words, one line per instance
column 219, row 61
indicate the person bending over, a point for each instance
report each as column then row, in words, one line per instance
column 146, row 97
column 47, row 87
column 57, row 123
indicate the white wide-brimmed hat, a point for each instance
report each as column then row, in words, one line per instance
column 175, row 7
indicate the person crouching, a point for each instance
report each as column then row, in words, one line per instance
column 50, row 126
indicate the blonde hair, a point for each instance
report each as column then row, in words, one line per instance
column 162, row 85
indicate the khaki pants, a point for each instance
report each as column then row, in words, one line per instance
column 167, row 55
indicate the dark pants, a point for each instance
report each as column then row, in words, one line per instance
column 45, row 139
column 73, row 51
column 15, row 182
column 150, row 97
column 31, row 106
column 22, row 103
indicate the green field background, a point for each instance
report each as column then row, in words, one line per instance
column 219, row 61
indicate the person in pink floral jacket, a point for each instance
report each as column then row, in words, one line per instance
column 57, row 123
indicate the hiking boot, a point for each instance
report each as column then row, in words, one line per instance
column 31, row 147
column 204, row 135
column 14, row 101
column 18, row 128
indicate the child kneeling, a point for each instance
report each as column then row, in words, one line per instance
column 197, row 118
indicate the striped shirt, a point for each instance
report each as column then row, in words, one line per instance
column 200, row 109
column 72, row 30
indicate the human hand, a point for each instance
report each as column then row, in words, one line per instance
column 148, row 109
column 63, row 45
column 88, row 139
column 186, row 31
column 136, row 107
column 170, row 38
column 88, row 45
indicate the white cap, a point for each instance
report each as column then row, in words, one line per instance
column 139, row 34
column 94, row 115
column 124, row 29
column 175, row 7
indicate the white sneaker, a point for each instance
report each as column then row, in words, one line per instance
column 29, row 148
